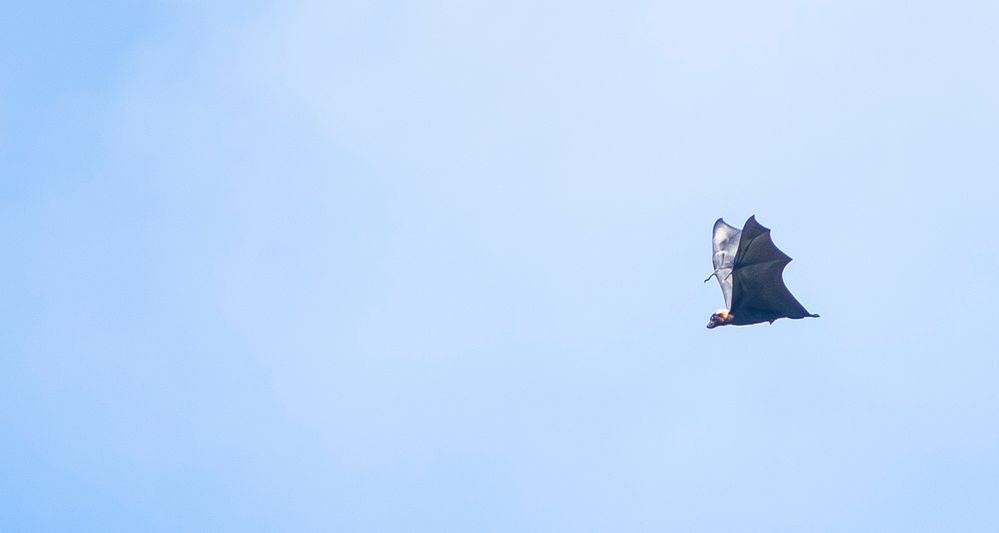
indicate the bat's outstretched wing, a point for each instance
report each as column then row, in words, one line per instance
column 758, row 290
column 724, row 245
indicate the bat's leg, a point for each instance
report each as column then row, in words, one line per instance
column 715, row 273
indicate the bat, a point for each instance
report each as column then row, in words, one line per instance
column 749, row 267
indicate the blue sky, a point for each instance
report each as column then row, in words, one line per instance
column 436, row 266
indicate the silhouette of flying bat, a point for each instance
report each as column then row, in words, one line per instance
column 749, row 267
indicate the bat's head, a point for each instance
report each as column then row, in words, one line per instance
column 719, row 319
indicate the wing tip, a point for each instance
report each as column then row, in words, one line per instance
column 752, row 220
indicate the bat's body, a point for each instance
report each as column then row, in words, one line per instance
column 750, row 268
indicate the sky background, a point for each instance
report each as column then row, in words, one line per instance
column 436, row 266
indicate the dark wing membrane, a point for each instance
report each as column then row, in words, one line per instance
column 758, row 290
column 756, row 246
